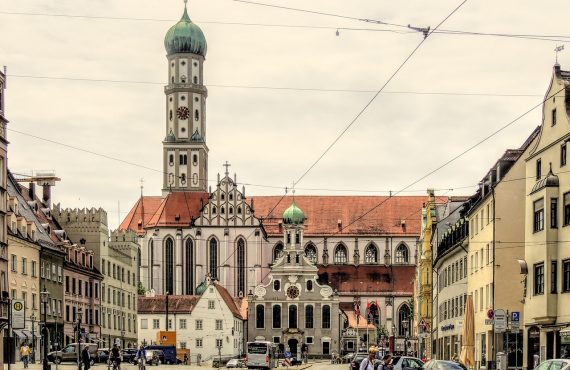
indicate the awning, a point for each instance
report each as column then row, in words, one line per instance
column 19, row 334
column 565, row 332
column 27, row 333
column 362, row 324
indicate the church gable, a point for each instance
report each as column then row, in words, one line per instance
column 227, row 206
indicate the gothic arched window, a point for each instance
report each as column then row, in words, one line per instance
column 241, row 266
column 404, row 324
column 371, row 254
column 150, row 263
column 293, row 317
column 189, row 266
column 309, row 316
column 373, row 314
column 169, row 262
column 277, row 317
column 402, row 254
column 259, row 316
column 213, row 258
column 326, row 317
column 277, row 251
column 311, row 252
column 340, row 254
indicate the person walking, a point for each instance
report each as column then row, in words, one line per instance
column 368, row 362
column 25, row 354
column 86, row 358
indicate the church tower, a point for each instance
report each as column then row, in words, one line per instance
column 293, row 219
column 185, row 153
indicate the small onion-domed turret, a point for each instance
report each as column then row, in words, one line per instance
column 201, row 288
column 293, row 215
column 185, row 37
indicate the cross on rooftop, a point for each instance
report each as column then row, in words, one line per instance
column 227, row 166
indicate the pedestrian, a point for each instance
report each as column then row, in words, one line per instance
column 86, row 358
column 186, row 359
column 25, row 354
column 386, row 363
column 368, row 362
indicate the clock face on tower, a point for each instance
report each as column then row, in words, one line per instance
column 182, row 112
column 292, row 292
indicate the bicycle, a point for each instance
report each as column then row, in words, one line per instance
column 141, row 363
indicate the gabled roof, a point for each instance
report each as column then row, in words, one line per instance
column 323, row 214
column 229, row 301
column 140, row 214
column 369, row 278
column 176, row 304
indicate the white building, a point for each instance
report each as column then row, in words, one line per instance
column 202, row 323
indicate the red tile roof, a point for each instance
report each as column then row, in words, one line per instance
column 323, row 214
column 367, row 279
column 141, row 213
column 176, row 304
column 178, row 209
column 228, row 299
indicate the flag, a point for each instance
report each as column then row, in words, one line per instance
column 367, row 311
column 357, row 308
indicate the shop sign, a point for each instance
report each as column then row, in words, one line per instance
column 447, row 327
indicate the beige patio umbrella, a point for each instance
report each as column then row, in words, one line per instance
column 468, row 347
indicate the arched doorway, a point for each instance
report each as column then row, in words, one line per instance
column 293, row 343
column 533, row 345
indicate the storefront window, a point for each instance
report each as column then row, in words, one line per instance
column 483, row 358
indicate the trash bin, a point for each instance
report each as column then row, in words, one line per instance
column 501, row 361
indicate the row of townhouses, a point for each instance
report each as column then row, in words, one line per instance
column 506, row 246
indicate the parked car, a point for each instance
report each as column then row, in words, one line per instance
column 356, row 360
column 169, row 353
column 129, row 355
column 103, row 355
column 444, row 365
column 555, row 364
column 407, row 363
column 233, row 363
column 69, row 353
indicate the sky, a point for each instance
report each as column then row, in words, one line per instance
column 272, row 136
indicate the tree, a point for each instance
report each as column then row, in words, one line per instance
column 140, row 289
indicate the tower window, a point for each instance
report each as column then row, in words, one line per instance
column 214, row 210
column 170, row 113
column 230, row 210
column 183, row 159
column 194, row 159
column 196, row 79
column 183, row 98
column 197, row 115
column 239, row 210
column 172, row 79
column 195, row 64
column 183, row 79
column 196, row 99
column 183, row 63
column 222, row 210
column 171, row 159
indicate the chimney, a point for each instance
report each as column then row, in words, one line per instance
column 32, row 191
column 47, row 195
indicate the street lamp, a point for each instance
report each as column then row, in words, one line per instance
column 405, row 325
column 44, row 295
column 78, row 328
column 33, row 318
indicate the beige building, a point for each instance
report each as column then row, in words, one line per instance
column 547, row 252
column 496, row 229
column 116, row 257
column 3, row 237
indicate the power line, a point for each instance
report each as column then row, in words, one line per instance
column 538, row 37
column 355, row 119
column 286, row 88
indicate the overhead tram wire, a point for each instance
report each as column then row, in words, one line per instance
column 392, row 76
column 538, row 37
column 285, row 88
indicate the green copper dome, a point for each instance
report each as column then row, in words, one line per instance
column 293, row 215
column 185, row 37
column 201, row 288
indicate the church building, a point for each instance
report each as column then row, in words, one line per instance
column 363, row 247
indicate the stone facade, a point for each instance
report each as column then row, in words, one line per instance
column 117, row 260
column 293, row 308
column 3, row 236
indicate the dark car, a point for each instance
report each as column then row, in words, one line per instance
column 103, row 355
column 442, row 365
column 154, row 357
column 129, row 355
column 356, row 360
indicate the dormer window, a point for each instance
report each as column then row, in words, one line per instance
column 554, row 117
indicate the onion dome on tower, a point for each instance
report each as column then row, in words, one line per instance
column 293, row 215
column 185, row 37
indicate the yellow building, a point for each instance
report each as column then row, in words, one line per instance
column 496, row 229
column 423, row 283
column 547, row 251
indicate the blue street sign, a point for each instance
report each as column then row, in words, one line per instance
column 515, row 316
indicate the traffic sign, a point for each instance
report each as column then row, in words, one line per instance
column 500, row 321
column 18, row 314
